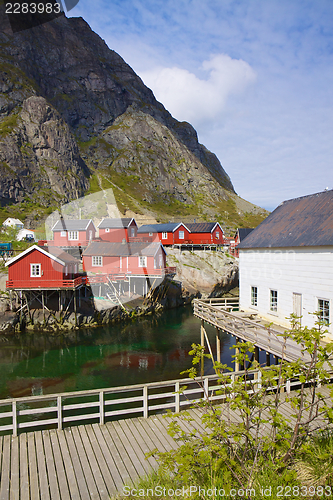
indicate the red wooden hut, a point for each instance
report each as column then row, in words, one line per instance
column 73, row 232
column 117, row 230
column 43, row 268
column 205, row 233
column 167, row 234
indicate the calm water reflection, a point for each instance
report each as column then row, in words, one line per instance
column 151, row 349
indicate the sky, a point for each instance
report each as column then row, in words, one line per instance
column 254, row 78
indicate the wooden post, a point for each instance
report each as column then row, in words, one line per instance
column 218, row 349
column 268, row 359
column 75, row 308
column 14, row 412
column 59, row 408
column 43, row 305
column 236, row 353
column 101, row 408
column 202, row 343
column 145, row 401
column 177, row 397
column 11, row 299
column 129, row 286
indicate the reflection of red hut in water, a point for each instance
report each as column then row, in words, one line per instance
column 129, row 359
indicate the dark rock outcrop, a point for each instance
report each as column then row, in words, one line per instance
column 70, row 107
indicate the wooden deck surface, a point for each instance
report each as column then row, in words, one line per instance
column 88, row 461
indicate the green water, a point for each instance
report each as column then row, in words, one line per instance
column 150, row 349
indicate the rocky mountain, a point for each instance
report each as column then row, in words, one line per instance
column 75, row 118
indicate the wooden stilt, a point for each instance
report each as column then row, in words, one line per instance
column 75, row 308
column 129, row 286
column 268, row 359
column 11, row 299
column 43, row 305
column 237, row 352
column 202, row 343
column 218, row 349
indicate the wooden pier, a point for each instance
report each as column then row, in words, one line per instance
column 224, row 314
column 91, row 461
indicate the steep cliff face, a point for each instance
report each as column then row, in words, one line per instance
column 73, row 114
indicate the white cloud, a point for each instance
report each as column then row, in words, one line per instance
column 197, row 100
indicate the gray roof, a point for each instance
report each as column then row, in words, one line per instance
column 115, row 223
column 62, row 255
column 243, row 232
column 108, row 249
column 169, row 227
column 202, row 227
column 300, row 222
column 72, row 225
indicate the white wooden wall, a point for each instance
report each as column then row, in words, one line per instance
column 307, row 271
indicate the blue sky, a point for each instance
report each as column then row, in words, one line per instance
column 254, row 77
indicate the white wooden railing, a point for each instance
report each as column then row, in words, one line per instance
column 75, row 408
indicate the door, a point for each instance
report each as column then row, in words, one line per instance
column 297, row 306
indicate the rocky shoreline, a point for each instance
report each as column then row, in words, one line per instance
column 91, row 315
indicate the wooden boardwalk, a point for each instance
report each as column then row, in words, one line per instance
column 88, row 461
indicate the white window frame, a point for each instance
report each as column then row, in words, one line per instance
column 254, row 296
column 132, row 232
column 150, row 234
column 273, row 300
column 164, row 236
column 324, row 310
column 142, row 261
column 97, row 261
column 107, row 229
column 217, row 235
column 182, row 235
column 73, row 235
column 35, row 270
column 63, row 234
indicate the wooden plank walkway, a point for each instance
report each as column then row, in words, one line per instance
column 89, row 461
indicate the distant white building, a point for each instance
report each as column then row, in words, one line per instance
column 286, row 263
column 24, row 234
column 15, row 223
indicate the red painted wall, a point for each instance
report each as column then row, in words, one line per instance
column 114, row 235
column 84, row 237
column 19, row 271
column 130, row 264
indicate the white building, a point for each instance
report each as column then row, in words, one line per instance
column 10, row 222
column 286, row 263
column 24, row 234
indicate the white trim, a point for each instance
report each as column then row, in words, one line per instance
column 142, row 257
column 65, row 228
column 99, row 258
column 39, row 269
column 28, row 250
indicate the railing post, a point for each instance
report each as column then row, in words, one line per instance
column 206, row 387
column 14, row 410
column 288, row 386
column 101, row 408
column 145, row 401
column 177, row 398
column 59, row 410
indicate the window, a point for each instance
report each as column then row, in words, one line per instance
column 181, row 235
column 142, row 261
column 97, row 261
column 273, row 300
column 35, row 270
column 107, row 230
column 63, row 234
column 217, row 234
column 164, row 236
column 73, row 235
column 324, row 310
column 254, row 296
column 150, row 234
column 132, row 232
